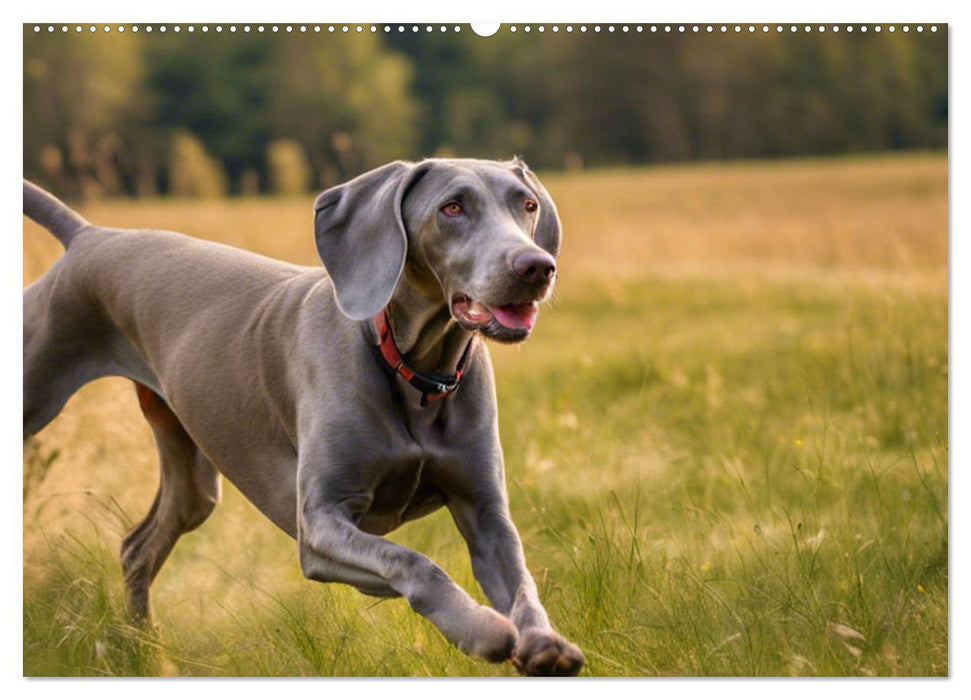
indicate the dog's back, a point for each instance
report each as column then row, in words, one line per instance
column 118, row 296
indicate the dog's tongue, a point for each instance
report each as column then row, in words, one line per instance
column 516, row 315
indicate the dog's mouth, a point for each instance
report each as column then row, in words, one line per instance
column 508, row 323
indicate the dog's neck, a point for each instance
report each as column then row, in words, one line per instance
column 426, row 334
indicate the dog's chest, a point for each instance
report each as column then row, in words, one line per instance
column 419, row 465
column 403, row 493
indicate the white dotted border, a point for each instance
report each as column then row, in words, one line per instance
column 415, row 28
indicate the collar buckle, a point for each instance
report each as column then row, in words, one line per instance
column 431, row 389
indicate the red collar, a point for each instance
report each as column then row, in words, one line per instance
column 432, row 389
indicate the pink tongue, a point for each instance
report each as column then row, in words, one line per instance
column 516, row 316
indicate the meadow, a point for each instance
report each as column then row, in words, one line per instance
column 726, row 449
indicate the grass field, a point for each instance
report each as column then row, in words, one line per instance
column 726, row 447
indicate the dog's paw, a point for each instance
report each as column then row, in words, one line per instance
column 490, row 635
column 545, row 653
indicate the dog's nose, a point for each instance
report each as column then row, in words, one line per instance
column 534, row 265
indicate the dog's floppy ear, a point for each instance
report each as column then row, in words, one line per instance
column 361, row 237
column 548, row 229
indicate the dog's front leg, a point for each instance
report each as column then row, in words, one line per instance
column 333, row 548
column 500, row 568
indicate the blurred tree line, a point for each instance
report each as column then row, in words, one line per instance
column 209, row 114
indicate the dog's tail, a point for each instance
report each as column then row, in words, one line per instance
column 51, row 213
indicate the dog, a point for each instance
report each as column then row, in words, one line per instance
column 342, row 401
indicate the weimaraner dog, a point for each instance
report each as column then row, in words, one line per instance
column 342, row 402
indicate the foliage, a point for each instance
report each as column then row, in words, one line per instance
column 101, row 110
column 288, row 168
column 192, row 171
column 86, row 113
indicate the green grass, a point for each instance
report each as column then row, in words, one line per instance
column 733, row 470
column 710, row 477
column 738, row 468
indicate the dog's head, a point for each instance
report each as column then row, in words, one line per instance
column 482, row 234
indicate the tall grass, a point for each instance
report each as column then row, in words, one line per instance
column 724, row 458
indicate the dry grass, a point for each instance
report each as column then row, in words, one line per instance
column 852, row 214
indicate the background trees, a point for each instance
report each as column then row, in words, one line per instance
column 203, row 114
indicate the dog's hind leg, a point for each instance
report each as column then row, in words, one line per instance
column 189, row 490
column 60, row 355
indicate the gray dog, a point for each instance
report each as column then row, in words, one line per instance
column 341, row 403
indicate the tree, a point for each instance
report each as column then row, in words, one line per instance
column 84, row 104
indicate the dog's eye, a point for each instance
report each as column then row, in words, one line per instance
column 530, row 205
column 452, row 209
